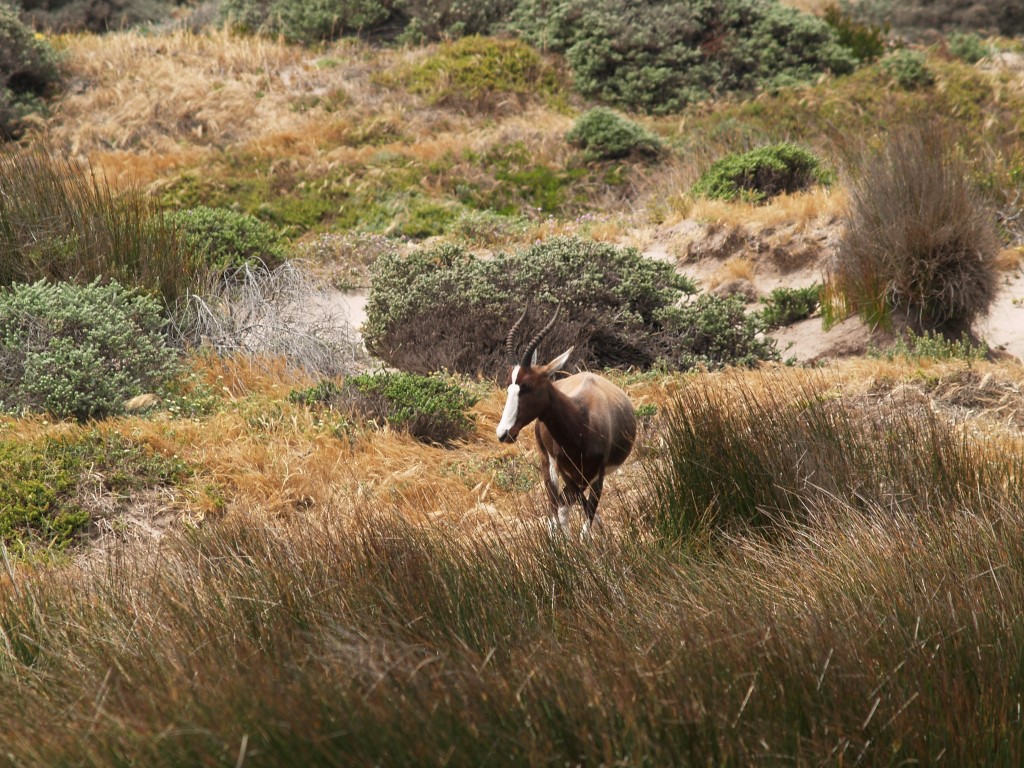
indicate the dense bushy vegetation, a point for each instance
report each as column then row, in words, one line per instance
column 444, row 308
column 59, row 221
column 761, row 174
column 659, row 55
column 920, row 242
column 922, row 16
column 80, row 351
column 785, row 306
column 28, row 72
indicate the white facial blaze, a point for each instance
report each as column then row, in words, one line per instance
column 508, row 416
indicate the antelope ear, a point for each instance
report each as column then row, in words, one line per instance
column 559, row 362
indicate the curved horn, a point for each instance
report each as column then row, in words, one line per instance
column 511, row 338
column 537, row 339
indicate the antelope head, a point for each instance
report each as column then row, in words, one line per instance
column 529, row 389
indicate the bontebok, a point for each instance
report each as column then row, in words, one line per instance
column 585, row 426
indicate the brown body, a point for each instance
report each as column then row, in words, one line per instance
column 585, row 426
column 587, row 432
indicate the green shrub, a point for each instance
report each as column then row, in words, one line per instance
column 59, row 222
column 785, row 306
column 80, row 351
column 222, row 239
column 606, row 135
column 28, row 73
column 968, row 47
column 761, row 174
column 865, row 41
column 445, row 308
column 908, row 69
column 917, row 18
column 659, row 55
column 308, row 21
column 919, row 242
column 479, row 74
column 45, row 485
column 713, row 332
column 430, row 408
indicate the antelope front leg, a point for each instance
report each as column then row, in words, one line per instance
column 590, row 507
column 559, row 520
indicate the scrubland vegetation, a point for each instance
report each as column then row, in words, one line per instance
column 236, row 533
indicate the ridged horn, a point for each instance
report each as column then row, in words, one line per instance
column 538, row 338
column 510, row 340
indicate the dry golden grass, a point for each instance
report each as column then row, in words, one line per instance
column 798, row 211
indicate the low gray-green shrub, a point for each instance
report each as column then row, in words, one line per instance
column 28, row 72
column 45, row 485
column 761, row 174
column 97, row 16
column 932, row 346
column 444, row 308
column 606, row 135
column 433, row 409
column 308, row 21
column 222, row 239
column 968, row 47
column 80, row 351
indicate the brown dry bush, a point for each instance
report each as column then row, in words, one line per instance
column 920, row 243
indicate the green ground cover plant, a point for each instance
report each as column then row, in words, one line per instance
column 433, row 409
column 47, row 487
column 909, row 69
column 80, row 351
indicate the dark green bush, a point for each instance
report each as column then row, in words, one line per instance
column 606, row 135
column 445, row 308
column 659, row 55
column 908, row 69
column 80, row 351
column 44, row 485
column 919, row 242
column 762, row 173
column 923, row 17
column 785, row 306
column 60, row 222
column 433, row 409
column 222, row 239
column 440, row 19
column 865, row 41
column 28, row 73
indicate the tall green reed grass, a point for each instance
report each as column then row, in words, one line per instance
column 875, row 639
column 60, row 221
